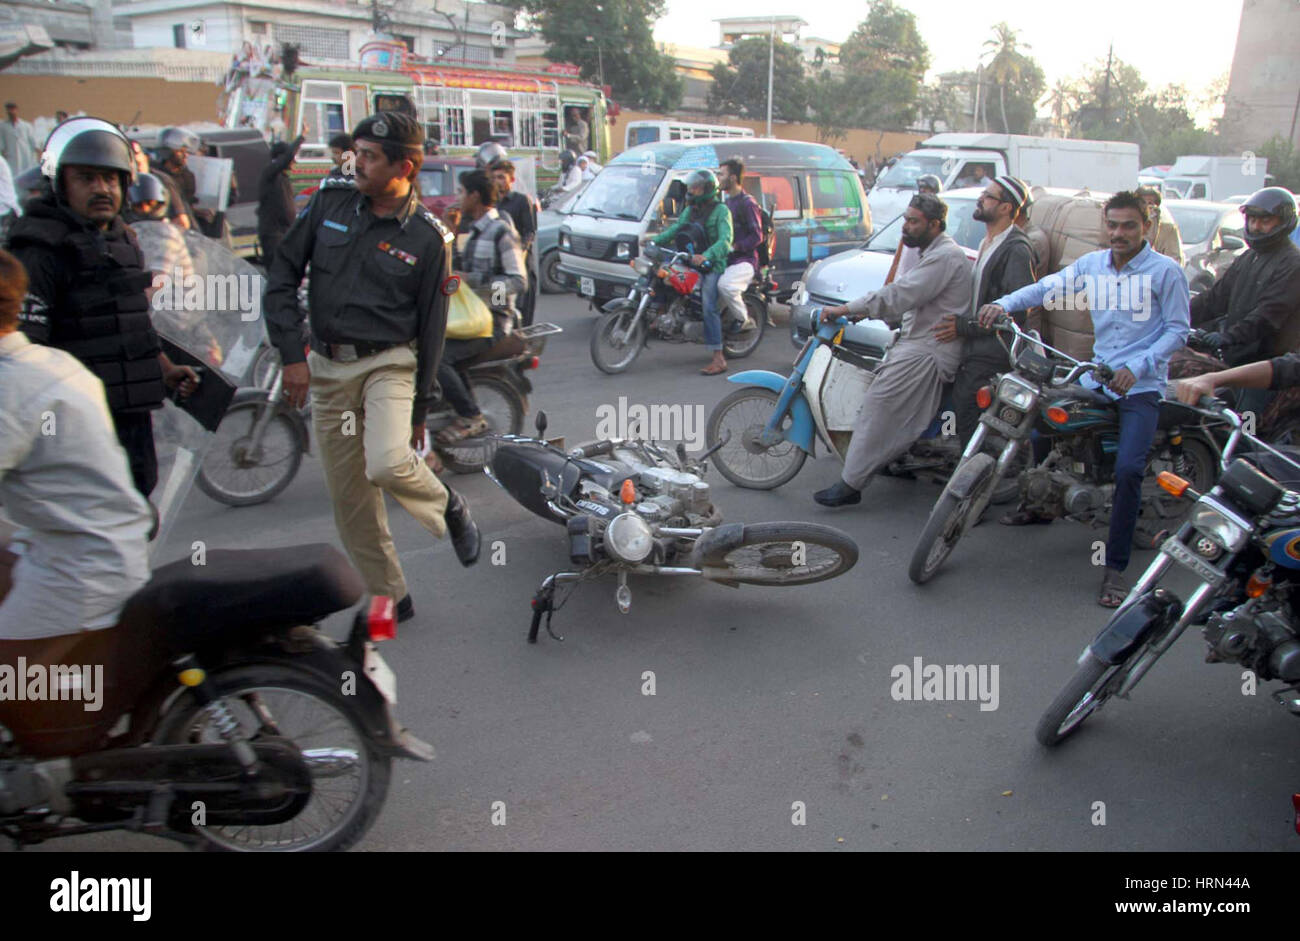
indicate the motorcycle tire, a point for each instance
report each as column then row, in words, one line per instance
column 951, row 517
column 751, row 406
column 503, row 408
column 250, row 692
column 223, row 474
column 1198, row 466
column 766, row 556
column 1084, row 694
column 610, row 355
column 740, row 345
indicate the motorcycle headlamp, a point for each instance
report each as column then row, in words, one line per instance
column 1214, row 525
column 642, row 265
column 628, row 538
column 1017, row 395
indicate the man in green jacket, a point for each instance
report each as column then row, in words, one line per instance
column 706, row 226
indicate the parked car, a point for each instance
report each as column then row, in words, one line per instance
column 1213, row 235
column 550, row 281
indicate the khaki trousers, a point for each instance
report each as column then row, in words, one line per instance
column 362, row 415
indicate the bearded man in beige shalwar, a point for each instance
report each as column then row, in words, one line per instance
column 905, row 394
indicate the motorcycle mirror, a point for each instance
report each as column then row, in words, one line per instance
column 541, row 424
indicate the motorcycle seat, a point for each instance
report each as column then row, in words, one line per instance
column 243, row 592
column 505, row 347
column 1175, row 414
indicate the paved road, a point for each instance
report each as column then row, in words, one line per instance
column 768, row 697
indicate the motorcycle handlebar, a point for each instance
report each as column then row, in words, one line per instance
column 591, row 450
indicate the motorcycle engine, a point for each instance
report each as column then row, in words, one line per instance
column 1058, row 492
column 1262, row 639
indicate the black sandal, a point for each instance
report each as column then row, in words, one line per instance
column 1114, row 589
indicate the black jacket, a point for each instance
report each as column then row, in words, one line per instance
column 1010, row 268
column 86, row 295
column 275, row 191
column 521, row 208
column 1255, row 305
column 373, row 280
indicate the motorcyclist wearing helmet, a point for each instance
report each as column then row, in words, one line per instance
column 87, row 281
column 706, row 210
column 487, row 153
column 929, row 183
column 1253, row 310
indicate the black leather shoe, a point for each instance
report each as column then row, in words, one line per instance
column 405, row 609
column 460, row 526
column 841, row 494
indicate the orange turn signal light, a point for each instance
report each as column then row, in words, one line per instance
column 1172, row 483
column 1057, row 415
column 984, row 397
column 628, row 492
column 1258, row 584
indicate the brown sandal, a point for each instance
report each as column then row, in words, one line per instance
column 1113, row 589
column 461, row 429
column 713, row 369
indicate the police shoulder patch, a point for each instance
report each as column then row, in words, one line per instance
column 438, row 227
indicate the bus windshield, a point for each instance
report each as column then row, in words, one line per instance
column 623, row 192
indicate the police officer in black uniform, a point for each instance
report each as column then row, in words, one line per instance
column 380, row 286
column 87, row 280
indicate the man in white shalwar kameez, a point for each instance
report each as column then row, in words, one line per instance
column 904, row 396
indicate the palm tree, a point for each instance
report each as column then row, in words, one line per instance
column 1061, row 99
column 1005, row 63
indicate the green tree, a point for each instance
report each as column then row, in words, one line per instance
column 830, row 112
column 1007, row 66
column 1283, row 162
column 740, row 86
column 613, row 38
column 882, row 63
column 1017, row 97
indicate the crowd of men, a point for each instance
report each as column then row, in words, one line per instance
column 75, row 305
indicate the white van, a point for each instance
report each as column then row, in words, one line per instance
column 654, row 132
column 812, row 194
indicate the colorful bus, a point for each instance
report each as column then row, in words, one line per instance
column 527, row 110
column 654, row 132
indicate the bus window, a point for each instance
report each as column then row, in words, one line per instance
column 833, row 194
column 394, row 103
column 321, row 118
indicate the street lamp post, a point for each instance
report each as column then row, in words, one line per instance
column 771, row 55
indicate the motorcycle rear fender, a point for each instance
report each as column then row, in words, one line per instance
column 254, row 394
column 970, row 475
column 1131, row 626
column 801, row 420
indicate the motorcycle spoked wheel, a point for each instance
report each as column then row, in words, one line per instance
column 349, row 777
column 1087, row 691
column 504, row 411
column 233, row 474
column 740, row 345
column 768, row 555
column 951, row 517
column 744, row 461
column 617, row 340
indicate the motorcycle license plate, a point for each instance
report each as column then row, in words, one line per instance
column 587, row 287
column 380, row 673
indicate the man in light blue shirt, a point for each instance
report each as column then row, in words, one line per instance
column 1139, row 305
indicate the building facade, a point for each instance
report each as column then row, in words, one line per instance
column 1263, row 98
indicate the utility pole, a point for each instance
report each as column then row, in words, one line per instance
column 979, row 87
column 771, row 57
column 1105, row 95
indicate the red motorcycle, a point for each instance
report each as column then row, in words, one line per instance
column 629, row 321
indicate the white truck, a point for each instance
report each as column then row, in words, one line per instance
column 970, row 159
column 1215, row 178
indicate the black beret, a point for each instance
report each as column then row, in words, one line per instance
column 391, row 127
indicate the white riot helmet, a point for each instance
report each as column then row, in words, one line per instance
column 89, row 142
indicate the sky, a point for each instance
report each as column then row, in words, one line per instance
column 1186, row 43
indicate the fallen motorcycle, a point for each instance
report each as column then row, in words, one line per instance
column 1241, row 545
column 627, row 325
column 632, row 508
